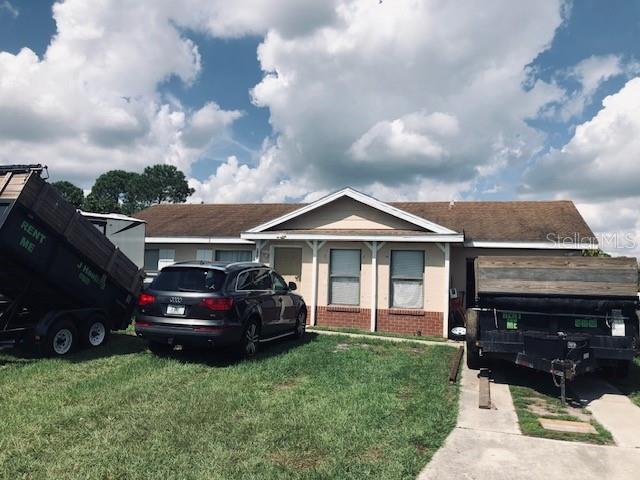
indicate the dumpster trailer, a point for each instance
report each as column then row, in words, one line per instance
column 63, row 283
column 562, row 315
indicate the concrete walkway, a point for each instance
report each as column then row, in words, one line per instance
column 611, row 408
column 487, row 445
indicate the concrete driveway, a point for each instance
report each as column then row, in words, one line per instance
column 487, row 444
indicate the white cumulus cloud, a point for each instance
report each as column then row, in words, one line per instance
column 405, row 92
column 599, row 167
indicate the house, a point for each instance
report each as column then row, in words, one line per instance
column 349, row 251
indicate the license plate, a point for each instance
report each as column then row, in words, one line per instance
column 175, row 309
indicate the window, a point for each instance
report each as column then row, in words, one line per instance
column 234, row 255
column 344, row 277
column 255, row 279
column 166, row 257
column 151, row 258
column 246, row 280
column 407, row 272
column 204, row 255
column 182, row 279
column 263, row 280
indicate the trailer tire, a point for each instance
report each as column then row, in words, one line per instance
column 622, row 369
column 96, row 332
column 61, row 338
column 474, row 361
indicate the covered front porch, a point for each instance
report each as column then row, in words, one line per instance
column 369, row 284
column 359, row 263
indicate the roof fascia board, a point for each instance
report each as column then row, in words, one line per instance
column 437, row 237
column 359, row 197
column 203, row 240
column 532, row 245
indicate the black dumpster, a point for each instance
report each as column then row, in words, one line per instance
column 57, row 270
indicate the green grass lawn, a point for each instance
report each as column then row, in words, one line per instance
column 535, row 396
column 324, row 407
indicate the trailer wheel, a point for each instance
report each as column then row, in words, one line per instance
column 622, row 368
column 61, row 338
column 474, row 361
column 96, row 332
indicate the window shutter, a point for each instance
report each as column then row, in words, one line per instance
column 407, row 293
column 167, row 256
column 345, row 291
column 233, row 256
column 151, row 258
column 407, row 264
column 345, row 263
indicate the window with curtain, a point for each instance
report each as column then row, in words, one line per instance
column 204, row 255
column 344, row 277
column 234, row 255
column 151, row 257
column 407, row 278
column 167, row 256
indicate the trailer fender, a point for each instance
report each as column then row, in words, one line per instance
column 79, row 317
column 42, row 327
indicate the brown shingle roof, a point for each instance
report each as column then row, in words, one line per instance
column 505, row 221
column 488, row 221
column 209, row 220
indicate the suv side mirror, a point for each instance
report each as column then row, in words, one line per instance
column 293, row 286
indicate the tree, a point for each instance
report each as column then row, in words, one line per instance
column 118, row 191
column 72, row 194
column 165, row 183
column 110, row 192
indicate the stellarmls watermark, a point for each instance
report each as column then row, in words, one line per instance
column 604, row 241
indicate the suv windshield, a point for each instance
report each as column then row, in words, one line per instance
column 184, row 279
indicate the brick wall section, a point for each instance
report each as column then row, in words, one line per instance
column 352, row 317
column 393, row 320
column 410, row 322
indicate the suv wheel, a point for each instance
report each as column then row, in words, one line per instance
column 251, row 339
column 301, row 324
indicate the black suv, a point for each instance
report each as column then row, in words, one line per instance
column 217, row 304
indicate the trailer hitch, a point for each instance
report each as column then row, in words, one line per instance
column 561, row 372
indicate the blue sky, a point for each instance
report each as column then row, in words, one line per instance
column 401, row 99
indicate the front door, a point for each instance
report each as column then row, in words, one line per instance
column 288, row 263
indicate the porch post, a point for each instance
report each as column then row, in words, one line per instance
column 374, row 284
column 315, row 246
column 374, row 247
column 445, row 314
column 258, row 250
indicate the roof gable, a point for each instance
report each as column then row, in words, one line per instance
column 408, row 220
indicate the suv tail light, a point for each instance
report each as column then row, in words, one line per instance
column 145, row 299
column 217, row 304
